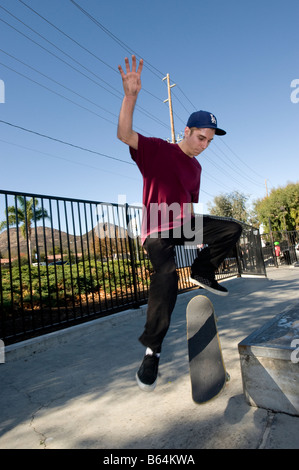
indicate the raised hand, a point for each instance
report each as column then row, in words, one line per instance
column 131, row 79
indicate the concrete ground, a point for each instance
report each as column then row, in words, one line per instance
column 76, row 389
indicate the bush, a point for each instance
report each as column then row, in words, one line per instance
column 40, row 286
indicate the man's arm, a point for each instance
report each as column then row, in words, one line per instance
column 132, row 87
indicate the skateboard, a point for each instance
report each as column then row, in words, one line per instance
column 207, row 371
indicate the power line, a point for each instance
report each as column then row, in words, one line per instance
column 215, row 180
column 69, row 37
column 54, row 55
column 68, row 160
column 205, row 192
column 155, row 71
column 127, row 48
column 234, row 168
column 80, row 45
column 56, row 93
column 186, row 98
column 119, row 41
column 66, row 143
column 244, row 163
column 223, row 171
column 57, row 83
column 119, row 96
column 91, row 112
column 222, row 141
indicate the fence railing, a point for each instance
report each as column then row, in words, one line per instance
column 64, row 261
column 280, row 248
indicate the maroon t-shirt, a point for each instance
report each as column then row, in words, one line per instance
column 171, row 181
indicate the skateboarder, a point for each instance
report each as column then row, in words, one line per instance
column 171, row 181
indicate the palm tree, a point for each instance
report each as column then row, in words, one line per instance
column 24, row 212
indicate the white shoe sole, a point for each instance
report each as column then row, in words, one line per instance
column 145, row 387
column 210, row 289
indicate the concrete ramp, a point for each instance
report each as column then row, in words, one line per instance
column 270, row 364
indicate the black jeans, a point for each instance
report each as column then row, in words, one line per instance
column 221, row 237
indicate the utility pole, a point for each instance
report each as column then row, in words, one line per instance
column 266, row 187
column 170, row 106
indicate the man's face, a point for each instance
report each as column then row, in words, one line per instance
column 198, row 140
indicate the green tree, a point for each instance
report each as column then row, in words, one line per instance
column 281, row 207
column 24, row 212
column 230, row 205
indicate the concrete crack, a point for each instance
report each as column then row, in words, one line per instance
column 264, row 439
column 42, row 437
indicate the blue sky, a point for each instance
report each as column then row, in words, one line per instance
column 236, row 59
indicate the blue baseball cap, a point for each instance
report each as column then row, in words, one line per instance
column 206, row 120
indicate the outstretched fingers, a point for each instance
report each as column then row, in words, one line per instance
column 127, row 68
column 127, row 65
column 140, row 66
column 121, row 71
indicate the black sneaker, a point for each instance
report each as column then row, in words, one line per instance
column 148, row 372
column 209, row 284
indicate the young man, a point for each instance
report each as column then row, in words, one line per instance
column 171, row 181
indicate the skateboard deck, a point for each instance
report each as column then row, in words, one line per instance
column 207, row 371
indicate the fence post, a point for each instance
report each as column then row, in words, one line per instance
column 238, row 259
column 2, row 352
column 132, row 258
column 260, row 257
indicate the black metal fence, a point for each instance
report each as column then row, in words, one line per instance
column 280, row 248
column 64, row 261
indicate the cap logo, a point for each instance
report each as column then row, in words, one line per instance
column 213, row 119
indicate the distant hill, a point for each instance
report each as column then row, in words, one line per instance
column 61, row 240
